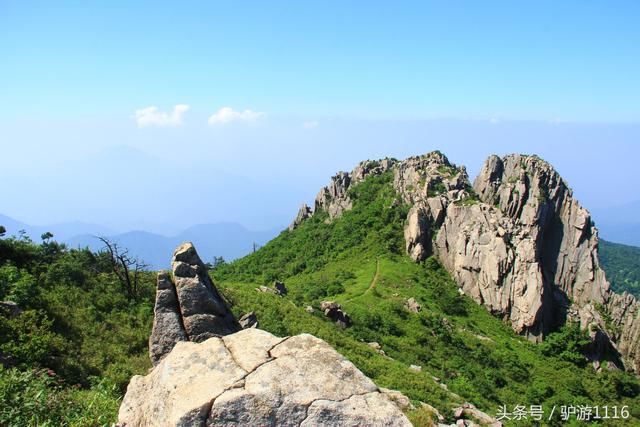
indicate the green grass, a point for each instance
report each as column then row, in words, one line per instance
column 476, row 355
column 621, row 264
column 79, row 323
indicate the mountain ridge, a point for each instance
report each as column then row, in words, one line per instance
column 516, row 241
column 229, row 240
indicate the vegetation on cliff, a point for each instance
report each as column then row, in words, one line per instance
column 81, row 335
column 622, row 265
column 358, row 261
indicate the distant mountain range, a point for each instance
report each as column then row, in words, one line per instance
column 229, row 240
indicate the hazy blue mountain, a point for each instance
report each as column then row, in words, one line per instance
column 229, row 240
column 61, row 231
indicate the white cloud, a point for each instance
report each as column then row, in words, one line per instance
column 228, row 115
column 151, row 116
column 310, row 125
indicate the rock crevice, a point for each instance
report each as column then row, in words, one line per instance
column 254, row 378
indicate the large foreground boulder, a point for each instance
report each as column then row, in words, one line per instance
column 252, row 378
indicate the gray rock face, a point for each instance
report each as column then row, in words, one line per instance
column 334, row 198
column 334, row 312
column 517, row 242
column 188, row 307
column 304, row 213
column 254, row 378
column 280, row 288
column 167, row 321
column 624, row 311
column 412, row 305
column 249, row 320
column 204, row 312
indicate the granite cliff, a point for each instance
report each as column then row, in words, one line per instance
column 516, row 241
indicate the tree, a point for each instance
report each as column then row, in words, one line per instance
column 217, row 262
column 23, row 236
column 3, row 231
column 126, row 268
column 46, row 236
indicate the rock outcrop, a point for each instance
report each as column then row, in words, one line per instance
column 254, row 378
column 516, row 241
column 304, row 213
column 334, row 311
column 249, row 320
column 334, row 198
column 624, row 311
column 280, row 288
column 188, row 306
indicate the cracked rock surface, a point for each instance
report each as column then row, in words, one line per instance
column 188, row 306
column 254, row 378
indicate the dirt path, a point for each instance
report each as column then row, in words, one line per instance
column 375, row 277
column 373, row 282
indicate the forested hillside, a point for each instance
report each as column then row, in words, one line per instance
column 622, row 265
column 74, row 337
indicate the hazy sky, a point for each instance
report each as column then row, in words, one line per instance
column 139, row 115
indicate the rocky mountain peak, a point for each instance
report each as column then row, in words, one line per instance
column 334, row 198
column 517, row 242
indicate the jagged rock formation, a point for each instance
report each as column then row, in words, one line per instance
column 304, row 213
column 188, row 307
column 517, row 241
column 334, row 198
column 624, row 311
column 254, row 378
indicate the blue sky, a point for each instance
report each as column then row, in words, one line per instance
column 276, row 96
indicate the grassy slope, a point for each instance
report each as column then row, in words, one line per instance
column 357, row 260
column 622, row 265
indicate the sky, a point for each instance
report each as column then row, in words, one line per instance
column 161, row 115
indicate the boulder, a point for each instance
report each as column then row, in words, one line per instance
column 9, row 309
column 249, row 320
column 334, row 312
column 204, row 312
column 280, row 288
column 412, row 305
column 188, row 306
column 254, row 378
column 402, row 401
